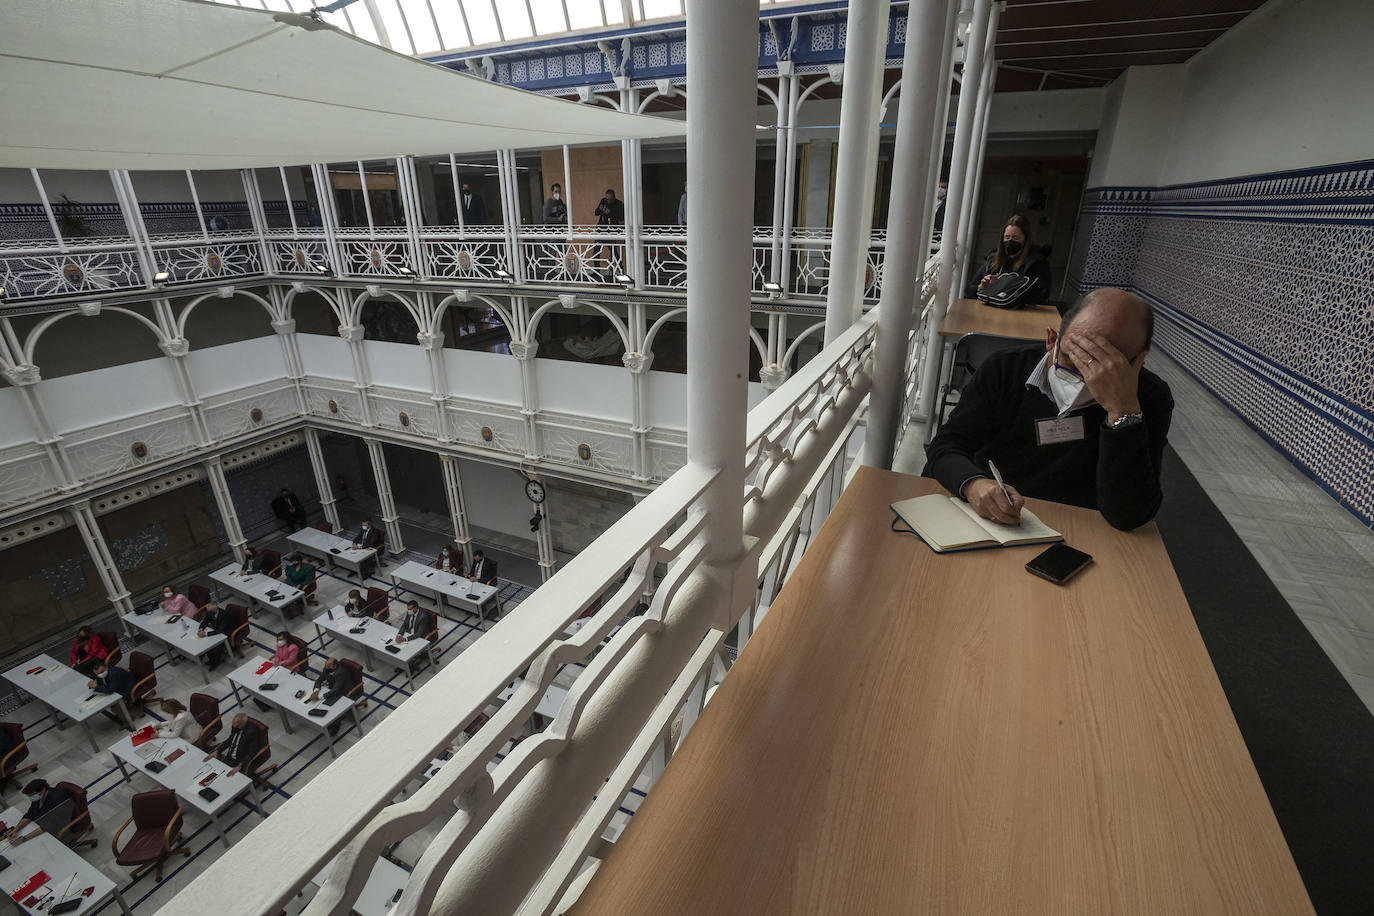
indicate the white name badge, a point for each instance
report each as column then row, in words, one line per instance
column 1058, row 429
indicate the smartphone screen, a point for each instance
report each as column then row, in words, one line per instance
column 1059, row 563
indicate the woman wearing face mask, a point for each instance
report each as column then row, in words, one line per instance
column 173, row 603
column 450, row 560
column 288, row 653
column 1016, row 254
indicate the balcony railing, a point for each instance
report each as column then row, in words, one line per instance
column 642, row 683
column 580, row 256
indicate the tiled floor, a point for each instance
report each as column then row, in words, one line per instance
column 64, row 754
column 1317, row 554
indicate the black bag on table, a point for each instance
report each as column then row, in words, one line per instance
column 1008, row 291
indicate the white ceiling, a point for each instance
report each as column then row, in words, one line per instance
column 175, row 84
column 431, row 26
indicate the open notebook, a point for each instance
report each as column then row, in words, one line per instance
column 947, row 523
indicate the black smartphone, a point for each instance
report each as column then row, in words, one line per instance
column 1059, row 563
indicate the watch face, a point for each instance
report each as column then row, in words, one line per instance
column 535, row 491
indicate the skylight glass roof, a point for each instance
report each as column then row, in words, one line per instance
column 427, row 27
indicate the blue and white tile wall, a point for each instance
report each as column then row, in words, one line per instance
column 1264, row 290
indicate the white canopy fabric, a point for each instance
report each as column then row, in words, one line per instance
column 184, row 84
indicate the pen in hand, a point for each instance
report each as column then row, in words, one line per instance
column 1002, row 485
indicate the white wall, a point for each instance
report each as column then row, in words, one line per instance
column 484, row 376
column 495, row 498
column 77, row 401
column 326, row 357
column 14, row 418
column 668, row 400
column 397, row 365
column 1057, row 111
column 1287, row 88
column 235, row 365
column 585, row 389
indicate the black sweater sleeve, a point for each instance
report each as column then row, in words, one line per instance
column 971, row 288
column 949, row 457
column 1039, row 271
column 1128, row 463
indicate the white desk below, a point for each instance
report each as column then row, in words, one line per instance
column 67, row 872
column 65, row 692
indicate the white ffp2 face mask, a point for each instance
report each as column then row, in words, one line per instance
column 1068, row 394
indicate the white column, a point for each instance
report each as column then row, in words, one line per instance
column 543, row 539
column 322, row 482
column 285, row 329
column 457, row 507
column 362, row 378
column 510, row 210
column 25, row 377
column 524, row 351
column 101, row 557
column 175, row 349
column 133, row 221
column 390, row 518
column 329, row 221
column 789, row 189
column 986, row 85
column 857, row 168
column 219, row 486
column 781, row 150
column 926, row 20
column 722, row 69
column 257, row 214
column 958, row 175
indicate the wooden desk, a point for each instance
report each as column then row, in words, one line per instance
column 915, row 733
column 970, row 316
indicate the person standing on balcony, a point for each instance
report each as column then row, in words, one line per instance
column 555, row 211
column 682, row 206
column 609, row 212
column 474, row 211
column 287, row 507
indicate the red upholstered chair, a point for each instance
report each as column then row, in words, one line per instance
column 205, row 710
column 355, row 692
column 239, row 614
column 75, row 833
column 271, row 561
column 19, row 752
column 157, row 829
column 471, row 728
column 378, row 604
column 302, row 665
column 325, row 527
column 257, row 769
column 145, row 680
column 110, row 639
column 199, row 595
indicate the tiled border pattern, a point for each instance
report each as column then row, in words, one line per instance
column 1265, row 290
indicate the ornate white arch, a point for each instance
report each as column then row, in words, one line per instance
column 615, row 320
column 31, row 342
column 500, row 310
column 660, row 322
column 759, row 345
column 186, row 312
column 792, row 348
column 306, row 287
column 356, row 308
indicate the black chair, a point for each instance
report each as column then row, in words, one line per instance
column 970, row 352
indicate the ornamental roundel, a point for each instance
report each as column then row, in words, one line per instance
column 571, row 263
column 73, row 274
column 139, row 450
column 333, row 406
column 214, row 262
column 256, row 414
column 584, row 451
column 465, row 261
column 301, row 260
column 375, row 256
column 869, row 277
column 405, row 419
column 486, row 434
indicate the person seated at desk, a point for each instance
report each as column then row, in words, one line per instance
column 368, row 537
column 174, row 603
column 288, row 653
column 251, row 563
column 355, row 606
column 214, row 621
column 287, row 507
column 412, row 625
column 1016, row 254
column 43, row 799
column 1081, row 422
column 240, row 747
column 334, row 681
column 299, row 574
column 87, row 650
column 109, row 678
column 450, row 560
column 483, row 570
column 180, row 723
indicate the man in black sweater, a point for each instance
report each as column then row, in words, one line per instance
column 1079, row 422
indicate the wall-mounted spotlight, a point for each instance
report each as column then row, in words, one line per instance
column 774, row 290
column 406, row 272
column 4, row 294
column 321, row 268
column 504, row 275
column 625, row 280
column 162, row 276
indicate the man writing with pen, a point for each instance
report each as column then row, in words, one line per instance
column 1079, row 422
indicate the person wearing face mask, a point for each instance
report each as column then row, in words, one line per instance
column 1018, row 254
column 43, row 799
column 288, row 653
column 355, row 606
column 368, row 537
column 474, row 211
column 682, row 206
column 1080, row 421
column 450, row 560
column 174, row 603
column 555, row 211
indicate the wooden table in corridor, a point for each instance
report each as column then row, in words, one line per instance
column 916, row 733
column 971, row 316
